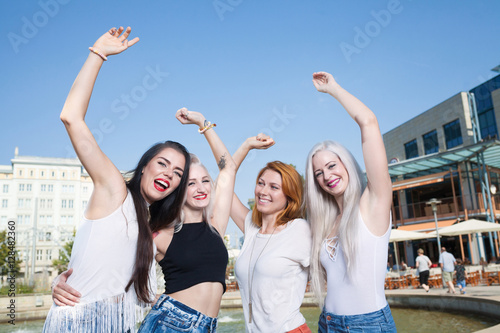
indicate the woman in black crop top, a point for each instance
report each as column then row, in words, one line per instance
column 193, row 256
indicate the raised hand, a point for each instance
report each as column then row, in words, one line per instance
column 260, row 141
column 115, row 41
column 62, row 293
column 190, row 117
column 324, row 82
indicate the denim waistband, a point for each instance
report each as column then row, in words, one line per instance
column 202, row 320
column 383, row 314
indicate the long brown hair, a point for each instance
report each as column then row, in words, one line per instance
column 161, row 214
column 292, row 187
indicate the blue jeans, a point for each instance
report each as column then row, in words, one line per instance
column 378, row 321
column 170, row 315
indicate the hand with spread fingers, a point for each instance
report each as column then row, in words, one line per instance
column 114, row 41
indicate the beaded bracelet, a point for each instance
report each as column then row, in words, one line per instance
column 98, row 53
column 206, row 128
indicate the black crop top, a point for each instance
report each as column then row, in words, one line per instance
column 196, row 254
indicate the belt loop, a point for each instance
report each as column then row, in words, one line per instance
column 198, row 321
column 160, row 301
column 385, row 312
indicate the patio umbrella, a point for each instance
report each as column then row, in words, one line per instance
column 468, row 227
column 403, row 235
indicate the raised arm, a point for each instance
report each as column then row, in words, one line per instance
column 227, row 169
column 109, row 187
column 376, row 200
column 238, row 210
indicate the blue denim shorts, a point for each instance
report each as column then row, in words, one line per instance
column 378, row 321
column 170, row 315
column 461, row 283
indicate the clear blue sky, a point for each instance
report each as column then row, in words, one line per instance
column 246, row 65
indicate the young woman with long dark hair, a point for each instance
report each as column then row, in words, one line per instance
column 111, row 266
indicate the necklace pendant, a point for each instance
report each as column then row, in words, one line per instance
column 250, row 312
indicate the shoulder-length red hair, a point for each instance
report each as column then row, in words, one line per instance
column 292, row 187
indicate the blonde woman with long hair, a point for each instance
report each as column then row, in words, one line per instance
column 350, row 223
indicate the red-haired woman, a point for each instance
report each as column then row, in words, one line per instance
column 273, row 266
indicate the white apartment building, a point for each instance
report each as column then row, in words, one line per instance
column 46, row 198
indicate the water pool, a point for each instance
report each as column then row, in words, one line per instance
column 407, row 320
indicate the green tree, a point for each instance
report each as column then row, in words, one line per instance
column 8, row 254
column 61, row 263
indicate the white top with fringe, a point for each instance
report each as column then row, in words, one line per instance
column 102, row 259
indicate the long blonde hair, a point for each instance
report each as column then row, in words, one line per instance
column 207, row 211
column 323, row 209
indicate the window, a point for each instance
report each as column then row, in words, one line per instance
column 21, row 187
column 28, row 187
column 488, row 124
column 64, row 203
column 5, row 203
column 19, row 219
column 51, row 188
column 453, row 134
column 411, row 149
column 71, row 188
column 70, row 219
column 63, row 219
column 42, row 203
column 27, row 219
column 70, row 203
column 65, row 188
column 41, row 220
column 85, row 189
column 31, row 173
column 39, row 254
column 84, row 204
column 6, row 188
column 20, row 203
column 28, row 203
column 53, row 174
column 431, row 144
column 3, row 221
column 41, row 236
column 49, row 203
column 64, row 174
column 42, row 173
column 49, row 219
column 48, row 236
column 20, row 172
column 43, row 188
column 48, row 254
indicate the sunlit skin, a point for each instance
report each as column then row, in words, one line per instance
column 199, row 188
column 330, row 173
column 162, row 175
column 269, row 197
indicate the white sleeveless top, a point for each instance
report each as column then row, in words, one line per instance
column 102, row 259
column 364, row 293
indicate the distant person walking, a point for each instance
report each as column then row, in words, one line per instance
column 423, row 263
column 447, row 262
column 461, row 276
